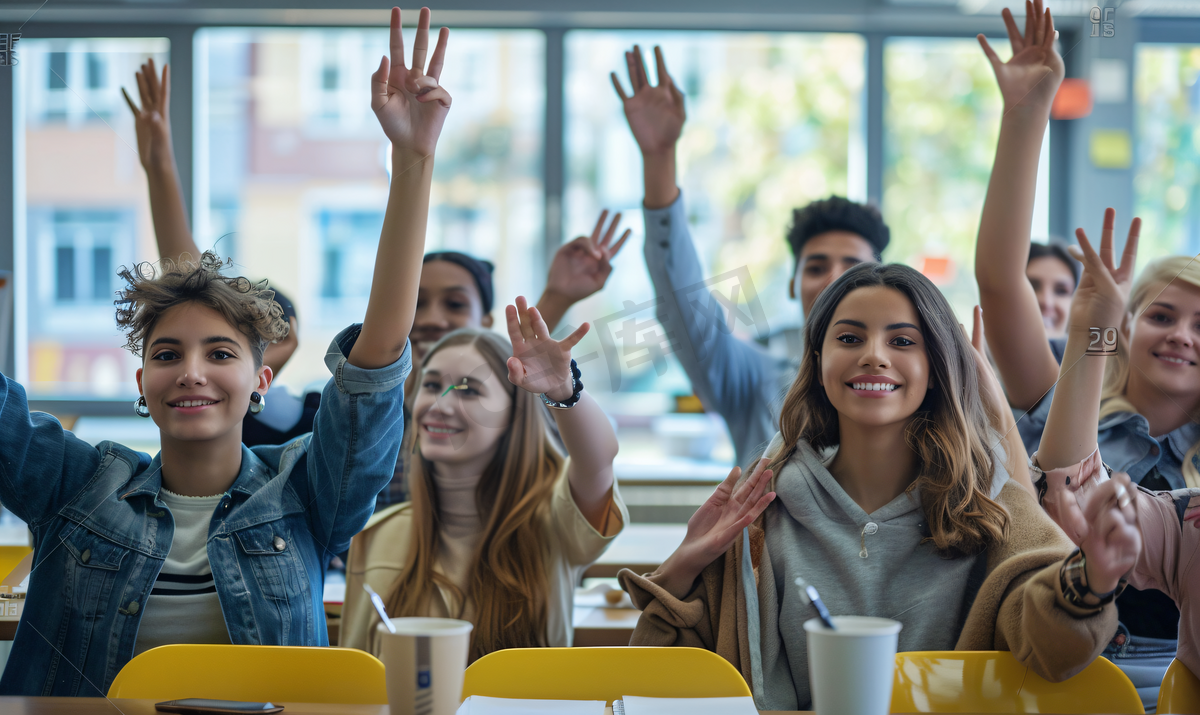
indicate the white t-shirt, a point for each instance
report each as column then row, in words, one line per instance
column 183, row 607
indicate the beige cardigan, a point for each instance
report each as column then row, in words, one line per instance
column 378, row 554
column 1019, row 608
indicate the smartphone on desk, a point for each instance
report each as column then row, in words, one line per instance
column 203, row 706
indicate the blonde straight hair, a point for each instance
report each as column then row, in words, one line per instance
column 507, row 583
column 1154, row 278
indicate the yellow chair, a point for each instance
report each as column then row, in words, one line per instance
column 255, row 673
column 603, row 674
column 1180, row 691
column 10, row 556
column 996, row 682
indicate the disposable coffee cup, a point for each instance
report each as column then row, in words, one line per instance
column 850, row 669
column 425, row 660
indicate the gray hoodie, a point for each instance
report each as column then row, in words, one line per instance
column 862, row 564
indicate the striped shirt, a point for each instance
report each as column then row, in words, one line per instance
column 183, row 606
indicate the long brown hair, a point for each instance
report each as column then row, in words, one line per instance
column 507, row 584
column 949, row 431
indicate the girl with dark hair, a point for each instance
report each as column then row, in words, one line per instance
column 211, row 541
column 501, row 526
column 888, row 489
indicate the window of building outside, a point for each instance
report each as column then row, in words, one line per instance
column 293, row 167
column 86, row 212
column 774, row 120
column 1167, row 148
column 942, row 113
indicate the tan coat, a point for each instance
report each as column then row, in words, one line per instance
column 1019, row 608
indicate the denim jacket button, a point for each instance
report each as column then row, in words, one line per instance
column 225, row 505
column 133, row 608
column 280, row 544
column 86, row 556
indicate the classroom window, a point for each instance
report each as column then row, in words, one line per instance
column 292, row 162
column 86, row 212
column 941, row 122
column 1167, row 148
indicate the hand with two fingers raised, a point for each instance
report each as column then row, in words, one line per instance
column 715, row 526
column 1103, row 287
column 1112, row 539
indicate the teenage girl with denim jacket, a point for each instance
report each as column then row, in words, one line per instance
column 235, row 538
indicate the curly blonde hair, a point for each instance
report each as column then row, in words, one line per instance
column 151, row 290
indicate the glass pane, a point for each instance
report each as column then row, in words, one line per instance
column 86, row 211
column 1167, row 179
column 941, row 121
column 293, row 167
column 774, row 120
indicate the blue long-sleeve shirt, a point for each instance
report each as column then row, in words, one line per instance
column 737, row 379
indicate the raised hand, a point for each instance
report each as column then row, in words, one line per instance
column 655, row 114
column 408, row 101
column 716, row 524
column 1031, row 78
column 153, row 121
column 1103, row 289
column 581, row 267
column 539, row 363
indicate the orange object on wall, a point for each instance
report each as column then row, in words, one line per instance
column 1073, row 101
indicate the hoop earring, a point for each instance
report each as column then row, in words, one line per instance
column 258, row 403
column 140, row 408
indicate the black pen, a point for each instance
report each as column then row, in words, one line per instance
column 811, row 597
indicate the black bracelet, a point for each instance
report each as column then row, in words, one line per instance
column 1073, row 580
column 576, row 385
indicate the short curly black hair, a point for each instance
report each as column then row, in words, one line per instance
column 151, row 290
column 838, row 214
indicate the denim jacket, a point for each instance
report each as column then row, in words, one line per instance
column 101, row 533
column 1125, row 441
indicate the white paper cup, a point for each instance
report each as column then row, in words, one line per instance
column 425, row 661
column 850, row 669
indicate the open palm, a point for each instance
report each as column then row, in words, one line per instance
column 581, row 267
column 655, row 114
column 539, row 363
column 1032, row 76
column 715, row 525
column 408, row 101
column 152, row 121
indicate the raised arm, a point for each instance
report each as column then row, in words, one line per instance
column 1098, row 515
column 656, row 117
column 1028, row 83
column 542, row 365
column 153, row 124
column 1099, row 303
column 411, row 107
column 580, row 269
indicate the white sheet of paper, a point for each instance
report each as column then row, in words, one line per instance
column 480, row 705
column 635, row 705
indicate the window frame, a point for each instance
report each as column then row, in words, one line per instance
column 188, row 124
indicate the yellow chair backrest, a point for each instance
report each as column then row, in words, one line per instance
column 1180, row 691
column 603, row 674
column 10, row 556
column 996, row 682
column 255, row 673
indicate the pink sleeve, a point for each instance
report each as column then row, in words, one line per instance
column 1162, row 533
